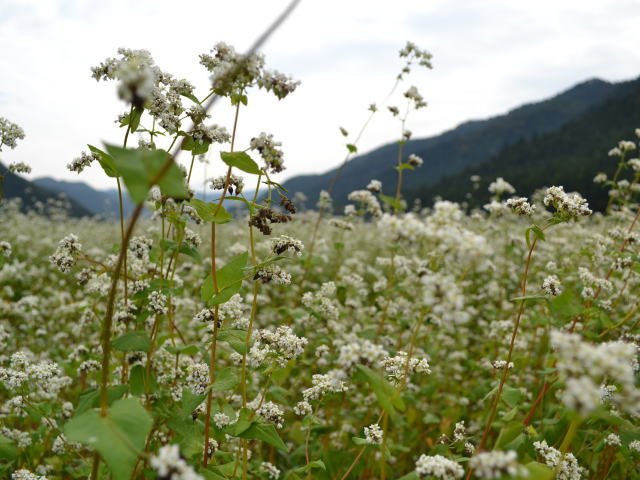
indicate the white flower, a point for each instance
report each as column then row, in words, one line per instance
column 168, row 464
column 439, row 467
column 373, row 434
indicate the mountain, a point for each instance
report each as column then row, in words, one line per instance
column 100, row 202
column 570, row 156
column 34, row 196
column 467, row 145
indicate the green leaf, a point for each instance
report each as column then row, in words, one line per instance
column 387, row 395
column 265, row 432
column 139, row 168
column 392, row 202
column 512, row 396
column 312, row 465
column 537, row 232
column 136, row 341
column 207, row 211
column 410, row 476
column 226, row 379
column 8, row 449
column 243, row 423
column 134, row 118
column 241, row 161
column 190, row 401
column 91, row 398
column 236, row 338
column 194, row 146
column 360, row 441
column 229, row 280
column 191, row 97
column 352, row 148
column 404, row 166
column 537, row 471
column 106, row 162
column 190, row 349
column 508, row 433
column 140, row 382
column 119, row 437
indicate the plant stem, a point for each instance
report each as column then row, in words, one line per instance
column 505, row 372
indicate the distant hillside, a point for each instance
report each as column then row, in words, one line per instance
column 100, row 202
column 570, row 156
column 32, row 195
column 467, row 145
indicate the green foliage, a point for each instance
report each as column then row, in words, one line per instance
column 241, row 161
column 229, row 279
column 140, row 170
column 119, row 437
column 210, row 212
column 136, row 341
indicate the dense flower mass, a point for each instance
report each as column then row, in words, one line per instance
column 436, row 341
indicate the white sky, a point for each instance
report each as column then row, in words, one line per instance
column 489, row 56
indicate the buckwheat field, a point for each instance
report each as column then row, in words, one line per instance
column 249, row 337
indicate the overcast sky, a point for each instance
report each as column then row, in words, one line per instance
column 489, row 56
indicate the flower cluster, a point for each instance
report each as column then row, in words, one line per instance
column 10, row 133
column 67, row 253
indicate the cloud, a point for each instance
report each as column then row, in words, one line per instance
column 489, row 56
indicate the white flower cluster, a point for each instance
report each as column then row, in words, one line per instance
column 80, row 163
column 24, row 474
column 171, row 466
column 331, row 382
column 396, row 367
column 19, row 167
column 439, row 467
column 501, row 364
column 9, row 133
column 286, row 244
column 566, row 465
column 592, row 282
column 500, row 186
column 273, row 273
column 585, row 366
column 271, row 413
column 268, row 149
column 520, row 206
column 373, row 434
column 375, row 186
column 413, row 52
column 157, row 303
column 552, row 286
column 280, row 84
column 567, row 205
column 236, row 184
column 281, row 344
column 302, row 408
column 210, row 134
column 634, row 446
column 622, row 147
column 136, row 71
column 340, row 224
column 415, row 161
column 270, row 470
column 323, row 301
column 361, row 351
column 413, row 94
column 44, row 378
column 5, row 249
column 367, row 201
column 67, row 253
column 497, row 464
column 198, row 377
column 613, row 439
